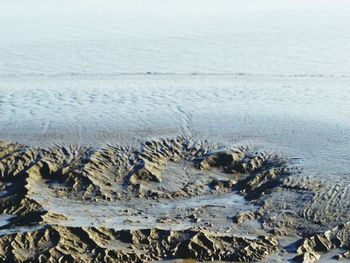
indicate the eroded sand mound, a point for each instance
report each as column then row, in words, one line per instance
column 61, row 244
column 167, row 199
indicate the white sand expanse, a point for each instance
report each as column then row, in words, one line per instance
column 303, row 117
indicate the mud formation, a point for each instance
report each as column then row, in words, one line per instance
column 167, row 199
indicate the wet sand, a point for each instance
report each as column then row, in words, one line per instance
column 214, row 167
column 166, row 199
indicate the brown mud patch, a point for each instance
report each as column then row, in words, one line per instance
column 168, row 199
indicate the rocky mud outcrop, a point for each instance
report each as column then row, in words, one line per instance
column 167, row 199
column 67, row 244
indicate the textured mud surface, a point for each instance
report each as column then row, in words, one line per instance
column 167, row 199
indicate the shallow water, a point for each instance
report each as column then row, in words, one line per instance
column 145, row 213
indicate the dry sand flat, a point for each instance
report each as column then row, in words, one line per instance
column 164, row 200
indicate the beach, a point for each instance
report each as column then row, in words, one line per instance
column 138, row 132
